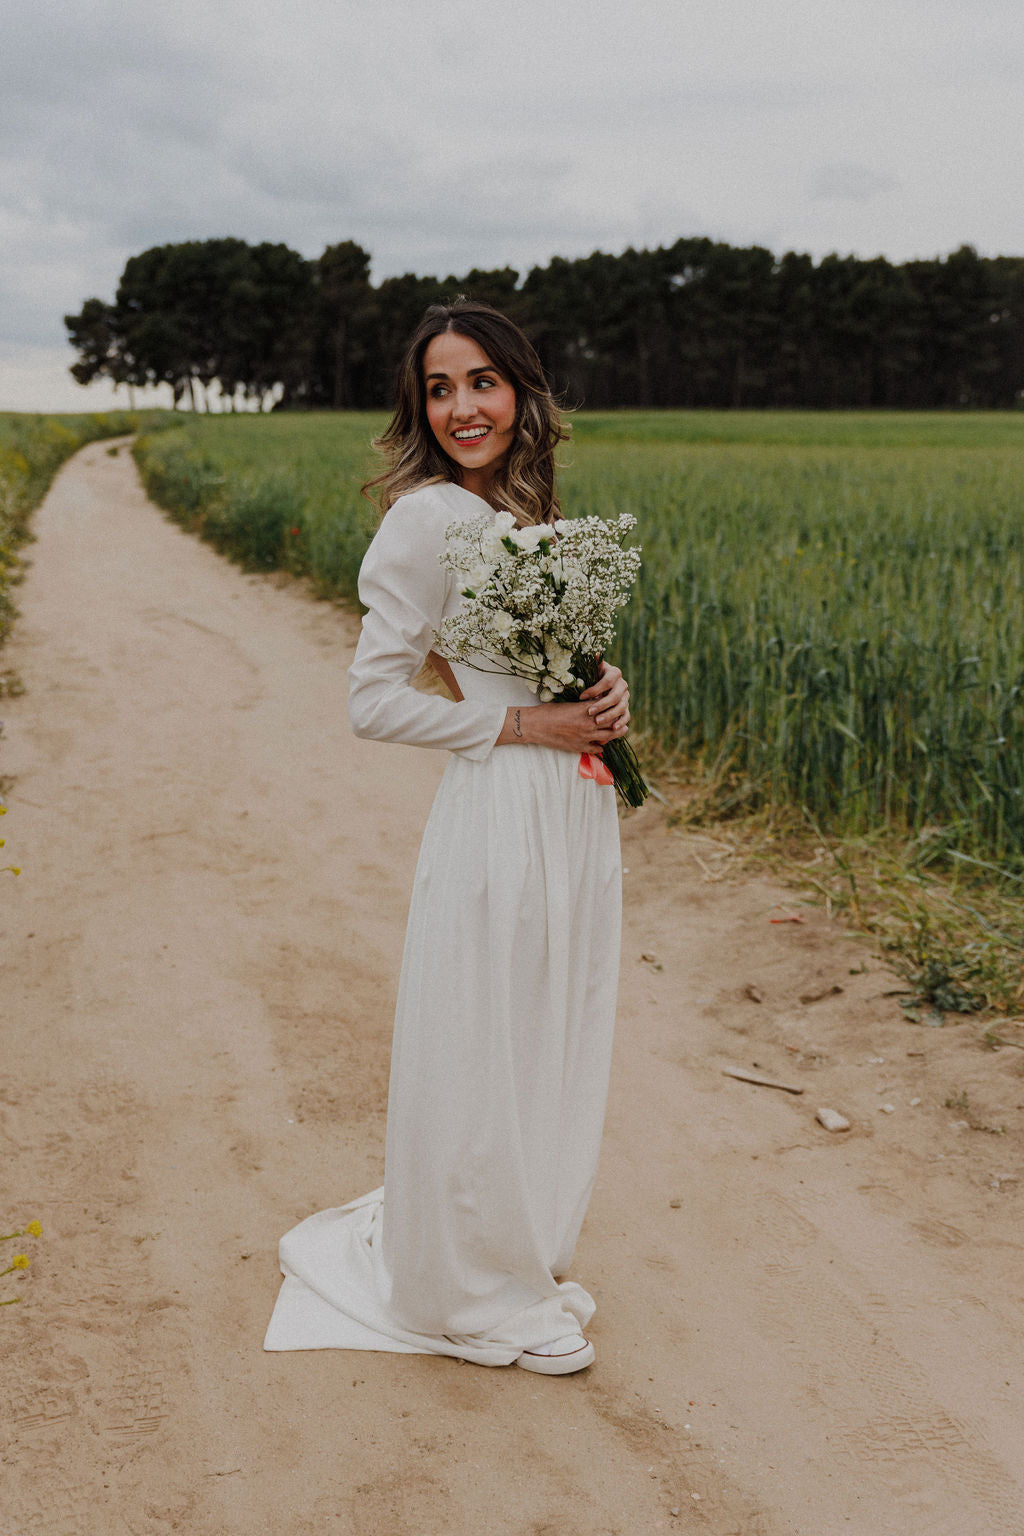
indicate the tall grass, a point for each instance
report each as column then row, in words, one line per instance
column 830, row 612
column 272, row 491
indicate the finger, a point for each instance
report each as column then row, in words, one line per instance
column 609, row 677
column 614, row 714
column 611, row 703
column 616, row 727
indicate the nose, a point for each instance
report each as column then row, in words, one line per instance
column 464, row 407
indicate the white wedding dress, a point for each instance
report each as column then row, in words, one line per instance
column 506, row 1004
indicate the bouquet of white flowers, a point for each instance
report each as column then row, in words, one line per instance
column 540, row 604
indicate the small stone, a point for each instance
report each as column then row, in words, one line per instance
column 887, row 1109
column 914, row 1103
column 832, row 1120
column 674, row 1512
column 675, row 1204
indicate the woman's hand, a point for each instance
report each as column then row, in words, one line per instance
column 609, row 699
column 600, row 716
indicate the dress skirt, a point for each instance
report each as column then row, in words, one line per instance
column 499, row 1078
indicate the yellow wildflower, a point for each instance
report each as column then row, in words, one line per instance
column 20, row 1261
column 35, row 1229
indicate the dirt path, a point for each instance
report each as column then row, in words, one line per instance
column 797, row 1332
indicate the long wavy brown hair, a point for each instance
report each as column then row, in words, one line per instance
column 524, row 483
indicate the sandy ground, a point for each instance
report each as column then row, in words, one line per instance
column 797, row 1332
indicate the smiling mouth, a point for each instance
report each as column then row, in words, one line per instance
column 471, row 434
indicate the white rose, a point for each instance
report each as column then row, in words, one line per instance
column 504, row 523
column 501, row 623
column 556, row 654
column 527, row 539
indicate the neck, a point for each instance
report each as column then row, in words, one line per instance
column 481, row 485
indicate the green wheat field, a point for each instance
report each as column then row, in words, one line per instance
column 830, row 614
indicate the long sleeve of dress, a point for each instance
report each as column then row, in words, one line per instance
column 405, row 590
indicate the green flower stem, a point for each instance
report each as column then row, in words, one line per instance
column 623, row 765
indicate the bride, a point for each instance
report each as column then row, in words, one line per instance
column 506, row 1001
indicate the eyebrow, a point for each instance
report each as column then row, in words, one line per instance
column 471, row 371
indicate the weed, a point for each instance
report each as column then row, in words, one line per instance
column 959, row 1102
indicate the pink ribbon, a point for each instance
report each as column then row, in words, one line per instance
column 592, row 767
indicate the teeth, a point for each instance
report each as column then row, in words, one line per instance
column 471, row 434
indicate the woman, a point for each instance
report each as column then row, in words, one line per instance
column 506, row 1002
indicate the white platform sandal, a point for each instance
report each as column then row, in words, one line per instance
column 559, row 1358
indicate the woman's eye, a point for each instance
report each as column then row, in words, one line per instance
column 485, row 383
column 437, row 391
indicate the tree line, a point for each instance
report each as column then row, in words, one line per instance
column 696, row 323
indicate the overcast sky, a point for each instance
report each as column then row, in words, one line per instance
column 452, row 134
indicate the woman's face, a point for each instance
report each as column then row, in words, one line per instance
column 471, row 407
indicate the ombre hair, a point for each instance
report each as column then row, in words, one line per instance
column 524, row 482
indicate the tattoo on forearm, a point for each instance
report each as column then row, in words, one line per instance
column 517, row 725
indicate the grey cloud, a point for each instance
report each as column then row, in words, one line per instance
column 847, row 181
